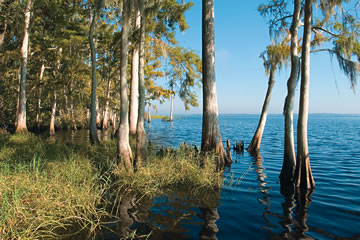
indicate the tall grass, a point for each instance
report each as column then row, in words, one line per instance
column 58, row 191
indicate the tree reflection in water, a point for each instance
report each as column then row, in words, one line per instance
column 295, row 207
column 128, row 213
column 210, row 229
column 264, row 191
column 296, row 227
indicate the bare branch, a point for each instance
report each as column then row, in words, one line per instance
column 325, row 30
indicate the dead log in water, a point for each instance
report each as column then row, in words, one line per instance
column 228, row 150
column 239, row 147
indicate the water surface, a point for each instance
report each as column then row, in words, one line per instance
column 251, row 205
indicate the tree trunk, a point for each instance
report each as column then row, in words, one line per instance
column 134, row 88
column 303, row 174
column 38, row 107
column 72, row 115
column 211, row 136
column 18, row 97
column 106, row 110
column 254, row 146
column 124, row 153
column 93, row 129
column 289, row 162
column 171, row 107
column 3, row 27
column 66, row 104
column 149, row 112
column 53, row 114
column 113, row 121
column 98, row 114
column 141, row 150
column 21, row 113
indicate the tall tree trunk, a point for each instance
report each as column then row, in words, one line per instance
column 106, row 110
column 211, row 136
column 254, row 146
column 38, row 110
column 124, row 153
column 98, row 114
column 3, row 27
column 134, row 87
column 141, row 150
column 289, row 162
column 38, row 107
column 149, row 112
column 303, row 174
column 113, row 121
column 66, row 104
column 21, row 113
column 171, row 107
column 93, row 129
column 72, row 115
column 53, row 114
column 18, row 97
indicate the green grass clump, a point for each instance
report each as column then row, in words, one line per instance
column 50, row 190
column 174, row 170
column 163, row 117
column 47, row 190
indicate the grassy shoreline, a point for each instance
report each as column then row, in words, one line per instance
column 50, row 190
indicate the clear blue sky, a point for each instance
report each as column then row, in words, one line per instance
column 241, row 34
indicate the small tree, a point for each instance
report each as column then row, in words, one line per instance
column 21, row 112
column 273, row 57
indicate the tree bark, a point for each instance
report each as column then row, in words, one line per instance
column 53, row 114
column 303, row 174
column 124, row 153
column 72, row 115
column 18, row 97
column 93, row 129
column 134, row 88
column 289, row 161
column 3, row 27
column 149, row 112
column 254, row 146
column 21, row 113
column 38, row 106
column 211, row 136
column 141, row 151
column 106, row 110
column 98, row 114
column 38, row 110
column 113, row 121
column 171, row 107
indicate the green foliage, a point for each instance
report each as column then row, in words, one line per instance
column 184, row 74
column 278, row 15
column 59, row 42
column 332, row 25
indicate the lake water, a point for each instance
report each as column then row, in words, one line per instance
column 253, row 206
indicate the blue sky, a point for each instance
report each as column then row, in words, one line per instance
column 241, row 34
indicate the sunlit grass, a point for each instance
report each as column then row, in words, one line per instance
column 56, row 191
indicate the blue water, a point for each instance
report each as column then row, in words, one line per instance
column 252, row 206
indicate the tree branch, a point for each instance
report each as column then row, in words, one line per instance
column 325, row 30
